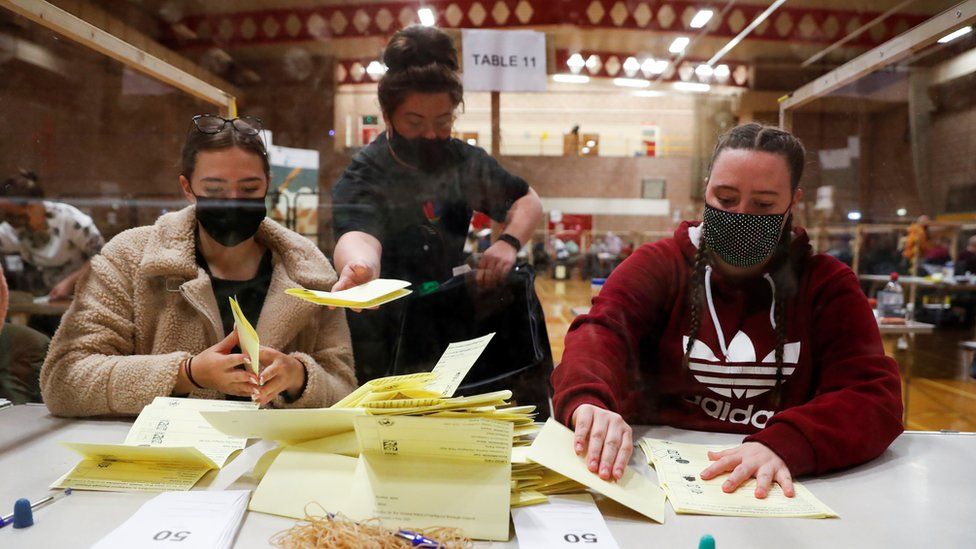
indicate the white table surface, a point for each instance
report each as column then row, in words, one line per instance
column 920, row 493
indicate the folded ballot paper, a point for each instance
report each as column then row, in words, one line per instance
column 169, row 447
column 248, row 336
column 678, row 466
column 553, row 449
column 371, row 294
column 188, row 520
column 411, row 472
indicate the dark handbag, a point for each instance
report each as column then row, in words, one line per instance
column 518, row 358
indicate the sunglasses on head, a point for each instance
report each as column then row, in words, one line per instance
column 212, row 124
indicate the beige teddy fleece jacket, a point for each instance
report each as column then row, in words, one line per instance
column 146, row 305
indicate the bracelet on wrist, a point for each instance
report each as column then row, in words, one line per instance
column 187, row 367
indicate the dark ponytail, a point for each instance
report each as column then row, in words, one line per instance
column 419, row 60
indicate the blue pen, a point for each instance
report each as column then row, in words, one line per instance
column 416, row 539
column 9, row 519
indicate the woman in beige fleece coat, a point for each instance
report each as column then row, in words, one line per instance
column 147, row 321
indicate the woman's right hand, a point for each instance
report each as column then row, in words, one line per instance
column 217, row 368
column 604, row 438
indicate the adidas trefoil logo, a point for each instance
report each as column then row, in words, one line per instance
column 740, row 374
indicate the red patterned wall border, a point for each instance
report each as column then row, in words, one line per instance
column 787, row 24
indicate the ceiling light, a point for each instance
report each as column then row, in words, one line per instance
column 679, row 44
column 854, row 215
column 701, row 18
column 691, row 87
column 660, row 66
column 586, row 150
column 631, row 82
column 426, row 16
column 591, row 143
column 722, row 72
column 902, row 212
column 375, row 68
column 592, row 62
column 704, row 71
column 631, row 66
column 575, row 62
column 953, row 35
column 571, row 78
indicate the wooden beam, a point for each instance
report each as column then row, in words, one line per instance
column 496, row 124
column 81, row 31
column 890, row 52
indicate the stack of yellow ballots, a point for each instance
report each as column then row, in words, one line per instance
column 533, row 484
column 401, row 449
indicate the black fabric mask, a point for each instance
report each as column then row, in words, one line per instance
column 429, row 155
column 740, row 239
column 230, row 221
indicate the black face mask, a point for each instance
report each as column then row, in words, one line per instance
column 739, row 239
column 230, row 221
column 429, row 155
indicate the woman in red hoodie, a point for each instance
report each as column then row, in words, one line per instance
column 733, row 325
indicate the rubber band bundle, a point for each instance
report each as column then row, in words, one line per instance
column 327, row 531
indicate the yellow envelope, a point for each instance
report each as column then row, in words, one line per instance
column 371, row 294
column 248, row 336
column 553, row 448
column 289, row 426
column 121, row 468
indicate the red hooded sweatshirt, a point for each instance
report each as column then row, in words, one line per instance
column 840, row 401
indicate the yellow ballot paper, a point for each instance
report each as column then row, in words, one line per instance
column 678, row 466
column 412, row 472
column 285, row 426
column 177, row 422
column 120, row 468
column 248, row 336
column 553, row 448
column 386, row 385
column 455, row 363
column 371, row 294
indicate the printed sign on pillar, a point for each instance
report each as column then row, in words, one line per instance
column 504, row 60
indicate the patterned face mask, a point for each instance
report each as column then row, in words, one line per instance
column 740, row 239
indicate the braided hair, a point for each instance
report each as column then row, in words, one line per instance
column 785, row 267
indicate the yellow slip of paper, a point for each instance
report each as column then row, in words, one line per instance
column 120, row 468
column 411, row 473
column 553, row 449
column 455, row 363
column 177, row 422
column 289, row 426
column 248, row 336
column 677, row 462
column 371, row 294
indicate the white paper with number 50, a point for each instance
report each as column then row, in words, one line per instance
column 191, row 520
column 566, row 521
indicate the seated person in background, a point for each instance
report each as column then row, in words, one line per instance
column 22, row 353
column 966, row 262
column 733, row 325
column 56, row 239
column 152, row 318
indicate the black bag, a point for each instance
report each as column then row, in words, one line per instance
column 518, row 358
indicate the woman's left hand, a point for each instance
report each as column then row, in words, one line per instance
column 751, row 459
column 279, row 372
column 495, row 264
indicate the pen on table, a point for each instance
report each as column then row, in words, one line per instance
column 417, row 539
column 8, row 519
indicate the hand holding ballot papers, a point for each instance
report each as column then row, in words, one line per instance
column 371, row 294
